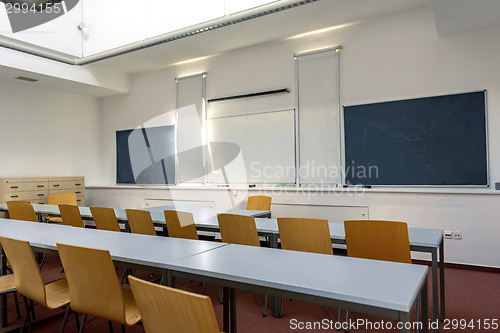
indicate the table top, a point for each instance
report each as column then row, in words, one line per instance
column 146, row 250
column 207, row 218
column 373, row 283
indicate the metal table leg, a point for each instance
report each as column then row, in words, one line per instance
column 3, row 271
column 225, row 311
column 441, row 277
column 424, row 306
column 435, row 291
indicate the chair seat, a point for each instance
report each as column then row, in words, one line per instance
column 57, row 293
column 7, row 283
column 132, row 315
column 54, row 219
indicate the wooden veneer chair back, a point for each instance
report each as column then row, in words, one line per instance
column 21, row 210
column 62, row 198
column 379, row 240
column 180, row 224
column 29, row 281
column 259, row 202
column 140, row 222
column 238, row 229
column 165, row 309
column 305, row 234
column 70, row 215
column 105, row 218
column 93, row 285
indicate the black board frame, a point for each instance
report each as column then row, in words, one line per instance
column 368, row 184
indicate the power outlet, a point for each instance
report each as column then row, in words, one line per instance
column 457, row 235
column 448, row 234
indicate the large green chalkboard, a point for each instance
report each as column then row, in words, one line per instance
column 440, row 140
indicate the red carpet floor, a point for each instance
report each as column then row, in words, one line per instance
column 472, row 298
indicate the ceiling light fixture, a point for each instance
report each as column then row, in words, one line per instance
column 315, row 32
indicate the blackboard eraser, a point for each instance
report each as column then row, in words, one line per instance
column 497, row 186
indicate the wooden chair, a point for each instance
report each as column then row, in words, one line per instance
column 21, row 210
column 60, row 198
column 7, row 286
column 180, row 224
column 94, row 288
column 29, row 281
column 378, row 240
column 165, row 309
column 140, row 222
column 239, row 229
column 304, row 234
column 70, row 215
column 259, row 202
column 105, row 218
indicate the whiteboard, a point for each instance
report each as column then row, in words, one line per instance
column 267, row 148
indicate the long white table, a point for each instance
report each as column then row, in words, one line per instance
column 380, row 288
column 421, row 239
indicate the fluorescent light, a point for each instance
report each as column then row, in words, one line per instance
column 191, row 60
column 335, row 27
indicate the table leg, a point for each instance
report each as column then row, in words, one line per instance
column 275, row 301
column 225, row 311
column 3, row 301
column 404, row 319
column 167, row 278
column 441, row 278
column 435, row 291
column 424, row 306
column 233, row 310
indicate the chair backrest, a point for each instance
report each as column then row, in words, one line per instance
column 180, row 224
column 259, row 202
column 21, row 210
column 304, row 234
column 238, row 229
column 105, row 218
column 140, row 222
column 93, row 285
column 70, row 215
column 165, row 309
column 29, row 281
column 62, row 198
column 379, row 240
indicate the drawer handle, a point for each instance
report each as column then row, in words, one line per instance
column 78, row 184
column 55, row 185
column 14, row 196
column 78, row 200
column 41, row 195
column 14, row 187
column 78, row 192
column 40, row 186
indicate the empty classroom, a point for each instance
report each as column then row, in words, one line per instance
column 249, row 165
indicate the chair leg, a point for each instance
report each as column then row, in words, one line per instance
column 27, row 318
column 123, row 328
column 110, row 325
column 83, row 323
column 43, row 260
column 418, row 312
column 32, row 307
column 222, row 297
column 77, row 321
column 203, row 288
column 265, row 306
column 346, row 320
column 65, row 319
column 17, row 305
column 281, row 309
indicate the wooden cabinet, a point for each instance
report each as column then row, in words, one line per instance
column 37, row 190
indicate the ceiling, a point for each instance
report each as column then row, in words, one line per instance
column 269, row 28
column 451, row 16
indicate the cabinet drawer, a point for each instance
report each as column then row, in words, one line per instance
column 22, row 186
column 77, row 191
column 26, row 196
column 66, row 185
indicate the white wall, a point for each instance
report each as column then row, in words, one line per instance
column 48, row 133
column 395, row 57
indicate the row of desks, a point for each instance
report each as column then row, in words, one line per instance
column 421, row 239
column 379, row 288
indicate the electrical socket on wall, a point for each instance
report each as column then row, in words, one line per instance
column 448, row 234
column 457, row 235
